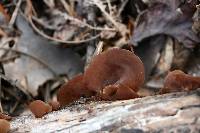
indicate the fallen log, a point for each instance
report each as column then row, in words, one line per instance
column 178, row 112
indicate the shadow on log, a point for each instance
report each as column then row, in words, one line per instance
column 170, row 112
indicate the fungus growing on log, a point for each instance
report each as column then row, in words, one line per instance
column 115, row 74
column 39, row 108
column 177, row 81
column 55, row 105
column 72, row 90
column 4, row 126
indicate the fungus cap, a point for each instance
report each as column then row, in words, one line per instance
column 39, row 108
column 114, row 67
column 177, row 80
column 4, row 126
column 55, row 105
column 72, row 91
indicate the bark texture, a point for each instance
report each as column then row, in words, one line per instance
column 176, row 112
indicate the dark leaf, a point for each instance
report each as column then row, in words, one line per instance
column 150, row 53
column 167, row 18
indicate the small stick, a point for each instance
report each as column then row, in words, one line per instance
column 14, row 15
column 110, row 18
column 109, row 6
column 1, row 109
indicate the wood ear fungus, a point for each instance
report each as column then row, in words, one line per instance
column 112, row 75
column 4, row 126
column 177, row 81
column 39, row 108
column 118, row 71
column 72, row 90
column 55, row 105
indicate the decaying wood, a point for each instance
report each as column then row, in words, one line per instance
column 171, row 112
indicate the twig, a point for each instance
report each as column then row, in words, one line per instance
column 12, row 93
column 122, row 7
column 49, row 3
column 36, row 59
column 99, row 48
column 109, row 6
column 67, row 17
column 14, row 15
column 79, row 22
column 121, row 28
column 100, row 5
column 2, row 33
column 90, row 55
column 42, row 23
column 59, row 40
column 70, row 43
column 14, row 107
column 1, row 109
column 9, row 58
column 47, row 93
column 68, row 8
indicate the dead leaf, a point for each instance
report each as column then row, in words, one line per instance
column 49, row 60
column 150, row 53
column 172, row 19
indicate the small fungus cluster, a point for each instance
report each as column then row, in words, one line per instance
column 115, row 74
column 177, row 81
column 40, row 108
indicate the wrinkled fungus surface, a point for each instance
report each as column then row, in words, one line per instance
column 115, row 74
column 177, row 81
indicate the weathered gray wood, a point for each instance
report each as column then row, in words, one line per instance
column 170, row 112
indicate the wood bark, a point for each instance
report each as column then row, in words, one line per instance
column 175, row 112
